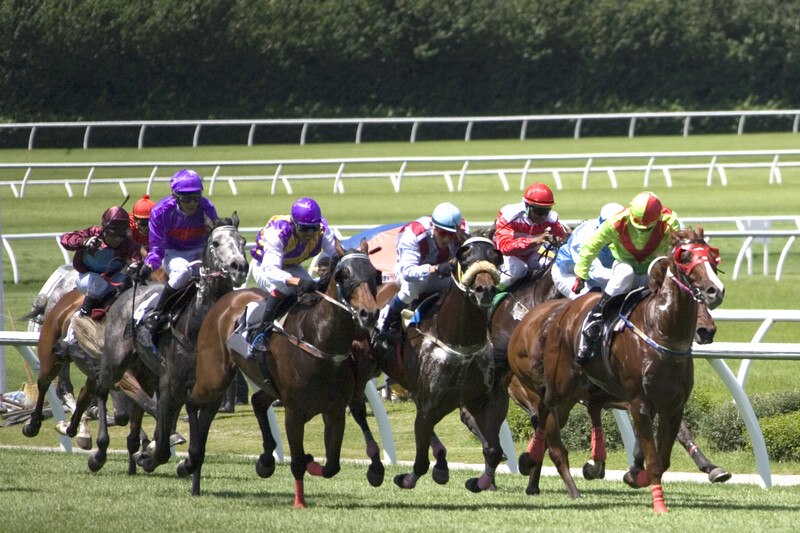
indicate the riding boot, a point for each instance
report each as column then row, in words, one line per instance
column 89, row 304
column 259, row 343
column 391, row 330
column 156, row 319
column 592, row 331
column 229, row 399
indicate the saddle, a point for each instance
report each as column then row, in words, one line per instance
column 620, row 305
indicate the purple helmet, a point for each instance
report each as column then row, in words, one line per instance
column 186, row 181
column 306, row 212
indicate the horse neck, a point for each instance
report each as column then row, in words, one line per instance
column 327, row 326
column 459, row 322
column 673, row 315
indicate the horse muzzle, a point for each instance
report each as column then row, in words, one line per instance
column 367, row 319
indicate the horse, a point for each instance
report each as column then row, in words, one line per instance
column 445, row 362
column 309, row 366
column 223, row 267
column 55, row 352
column 647, row 364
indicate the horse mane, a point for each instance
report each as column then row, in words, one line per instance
column 325, row 279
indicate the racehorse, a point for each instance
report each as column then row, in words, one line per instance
column 445, row 361
column 647, row 364
column 223, row 267
column 309, row 367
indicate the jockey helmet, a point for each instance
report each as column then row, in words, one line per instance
column 142, row 207
column 186, row 181
column 645, row 210
column 609, row 210
column 539, row 194
column 115, row 217
column 306, row 212
column 447, row 217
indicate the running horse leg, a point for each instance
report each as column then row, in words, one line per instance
column 423, row 435
column 595, row 468
column 488, row 415
column 133, row 441
column 358, row 410
column 265, row 466
column 654, row 469
column 716, row 474
column 70, row 429
column 50, row 361
column 300, row 462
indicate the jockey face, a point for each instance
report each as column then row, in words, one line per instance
column 188, row 203
column 306, row 232
column 537, row 213
column 443, row 238
column 143, row 225
column 113, row 237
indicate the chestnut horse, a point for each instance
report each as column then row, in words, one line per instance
column 309, row 365
column 648, row 365
column 445, row 361
column 223, row 267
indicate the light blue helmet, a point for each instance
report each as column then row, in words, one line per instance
column 186, row 181
column 447, row 217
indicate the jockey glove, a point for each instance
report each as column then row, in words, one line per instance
column 444, row 269
column 306, row 285
column 578, row 285
column 91, row 244
column 144, row 273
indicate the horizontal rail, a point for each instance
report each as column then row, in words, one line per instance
column 304, row 124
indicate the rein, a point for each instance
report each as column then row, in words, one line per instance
column 667, row 352
column 465, row 354
column 308, row 347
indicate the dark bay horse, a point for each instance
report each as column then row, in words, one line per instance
column 309, row 363
column 648, row 366
column 224, row 266
column 445, row 361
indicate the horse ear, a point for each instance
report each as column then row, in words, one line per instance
column 495, row 257
column 235, row 219
column 364, row 246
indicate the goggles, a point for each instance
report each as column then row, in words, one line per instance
column 537, row 210
column 306, row 229
column 142, row 222
column 116, row 232
column 188, row 198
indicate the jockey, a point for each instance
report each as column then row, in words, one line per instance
column 178, row 231
column 281, row 248
column 425, row 248
column 524, row 232
column 635, row 236
column 101, row 255
column 140, row 220
column 563, row 271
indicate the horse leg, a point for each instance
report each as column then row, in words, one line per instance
column 49, row 367
column 334, row 435
column 423, row 436
column 265, row 466
column 200, row 419
column 133, row 441
column 488, row 416
column 595, row 468
column 168, row 413
column 715, row 473
column 376, row 470
column 295, row 430
column 98, row 457
column 643, row 425
column 440, row 472
column 70, row 429
column 556, row 417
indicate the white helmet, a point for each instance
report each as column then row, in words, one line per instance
column 447, row 217
column 609, row 210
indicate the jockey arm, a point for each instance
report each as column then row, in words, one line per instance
column 591, row 248
column 409, row 258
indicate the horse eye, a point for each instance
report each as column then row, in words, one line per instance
column 215, row 243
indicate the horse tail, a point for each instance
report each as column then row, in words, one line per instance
column 89, row 334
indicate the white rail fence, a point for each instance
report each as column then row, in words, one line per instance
column 792, row 117
column 605, row 166
column 751, row 230
column 714, row 353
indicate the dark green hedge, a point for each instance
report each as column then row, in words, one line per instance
column 171, row 59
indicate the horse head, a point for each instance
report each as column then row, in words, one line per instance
column 694, row 267
column 225, row 253
column 356, row 280
column 478, row 271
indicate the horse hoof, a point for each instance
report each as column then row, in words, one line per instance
column 594, row 469
column 84, row 443
column 29, row 430
column 719, row 475
column 265, row 467
column 532, row 490
column 95, row 464
column 375, row 474
column 176, row 439
column 399, row 480
column 630, row 479
column 440, row 475
column 525, row 463
column 181, row 469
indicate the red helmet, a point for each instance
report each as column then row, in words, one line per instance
column 539, row 194
column 116, row 217
column 142, row 207
column 645, row 210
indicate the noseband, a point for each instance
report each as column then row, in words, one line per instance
column 701, row 252
column 464, row 279
column 220, row 270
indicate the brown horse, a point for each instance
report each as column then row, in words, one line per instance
column 445, row 361
column 54, row 352
column 309, row 367
column 648, row 365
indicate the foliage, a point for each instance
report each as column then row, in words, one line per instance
column 133, row 59
column 724, row 425
column 782, row 436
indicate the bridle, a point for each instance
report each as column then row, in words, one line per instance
column 700, row 252
column 464, row 279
